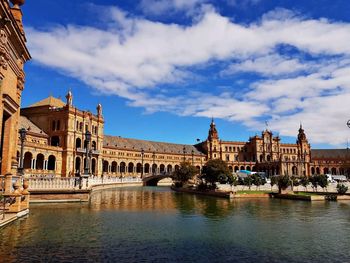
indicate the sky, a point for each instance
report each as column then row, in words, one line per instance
column 163, row 68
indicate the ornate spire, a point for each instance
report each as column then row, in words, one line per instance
column 301, row 134
column 69, row 98
column 213, row 133
column 99, row 109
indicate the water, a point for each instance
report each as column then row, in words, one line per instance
column 157, row 225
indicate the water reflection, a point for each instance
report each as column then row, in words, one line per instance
column 157, row 225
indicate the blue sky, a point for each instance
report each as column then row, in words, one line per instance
column 163, row 68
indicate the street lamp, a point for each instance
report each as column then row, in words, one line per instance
column 142, row 154
column 153, row 156
column 87, row 139
column 184, row 151
column 22, row 135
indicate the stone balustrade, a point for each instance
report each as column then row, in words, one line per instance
column 71, row 183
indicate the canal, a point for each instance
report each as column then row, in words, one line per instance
column 156, row 225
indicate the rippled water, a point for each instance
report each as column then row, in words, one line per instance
column 157, row 225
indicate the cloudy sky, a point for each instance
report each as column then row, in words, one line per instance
column 163, row 68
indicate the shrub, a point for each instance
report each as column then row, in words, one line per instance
column 215, row 171
column 283, row 182
column 248, row 181
column 185, row 172
column 304, row 181
column 341, row 189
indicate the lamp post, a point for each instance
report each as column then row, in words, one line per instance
column 87, row 167
column 22, row 135
column 192, row 153
column 184, row 152
column 153, row 156
column 142, row 154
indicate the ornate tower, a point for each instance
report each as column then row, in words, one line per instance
column 303, row 151
column 69, row 98
column 213, row 142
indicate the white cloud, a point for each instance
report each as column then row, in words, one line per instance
column 160, row 7
column 133, row 57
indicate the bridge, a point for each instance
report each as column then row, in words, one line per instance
column 153, row 179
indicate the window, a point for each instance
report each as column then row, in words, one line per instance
column 53, row 125
column 227, row 157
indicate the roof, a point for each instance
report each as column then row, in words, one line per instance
column 49, row 101
column 148, row 146
column 330, row 153
column 25, row 123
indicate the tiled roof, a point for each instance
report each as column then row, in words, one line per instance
column 24, row 122
column 330, row 153
column 148, row 146
column 49, row 101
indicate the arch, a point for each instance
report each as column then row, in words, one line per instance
column 248, row 168
column 77, row 164
column 334, row 171
column 105, row 166
column 313, row 170
column 51, row 165
column 325, row 170
column 93, row 166
column 55, row 141
column 93, row 145
column 317, row 170
column 162, row 168
column 154, row 168
column 236, row 168
column 81, row 126
column 177, row 167
column 254, row 169
column 27, row 162
column 261, row 158
column 138, row 168
column 77, row 143
column 242, row 167
column 230, row 168
column 122, row 167
column 114, row 167
column 198, row 168
column 40, row 161
column 169, row 168
column 268, row 158
column 294, row 170
column 146, row 168
column 130, row 167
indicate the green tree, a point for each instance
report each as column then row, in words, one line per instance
column 304, row 181
column 273, row 181
column 314, row 181
column 341, row 189
column 248, row 181
column 283, row 181
column 257, row 181
column 232, row 180
column 185, row 173
column 322, row 181
column 214, row 171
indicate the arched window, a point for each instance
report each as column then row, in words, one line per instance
column 77, row 164
column 81, row 126
column 248, row 168
column 55, row 141
column 93, row 166
column 326, row 171
column 169, row 168
column 138, row 168
column 93, row 145
column 312, row 170
column 40, row 161
column 154, row 168
column 53, row 126
column 261, row 158
column 294, row 170
column 130, row 168
column 177, row 167
column 78, row 143
column 122, row 167
column 27, row 162
column 162, row 168
column 242, row 167
column 334, row 171
column 51, row 165
column 58, row 125
column 105, row 167
column 268, row 158
column 317, row 170
column 146, row 168
column 114, row 167
column 236, row 168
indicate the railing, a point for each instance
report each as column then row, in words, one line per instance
column 73, row 183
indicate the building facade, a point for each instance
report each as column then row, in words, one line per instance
column 13, row 55
column 56, row 146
